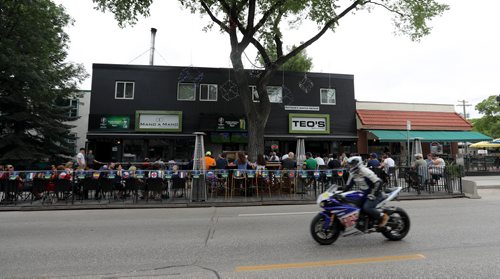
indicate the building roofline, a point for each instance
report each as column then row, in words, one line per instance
column 162, row 68
column 404, row 103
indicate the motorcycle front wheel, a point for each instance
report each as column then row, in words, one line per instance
column 399, row 223
column 322, row 236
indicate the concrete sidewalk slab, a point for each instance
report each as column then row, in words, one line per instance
column 484, row 181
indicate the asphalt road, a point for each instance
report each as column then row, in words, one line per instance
column 453, row 238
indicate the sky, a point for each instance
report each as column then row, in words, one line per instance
column 459, row 60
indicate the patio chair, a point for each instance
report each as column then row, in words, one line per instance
column 155, row 186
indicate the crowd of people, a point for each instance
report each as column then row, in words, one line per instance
column 430, row 169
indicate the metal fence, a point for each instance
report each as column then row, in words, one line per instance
column 159, row 186
column 482, row 164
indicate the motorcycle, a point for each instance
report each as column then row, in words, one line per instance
column 342, row 214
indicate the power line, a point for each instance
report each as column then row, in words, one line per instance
column 464, row 104
column 139, row 55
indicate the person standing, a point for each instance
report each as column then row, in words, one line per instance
column 80, row 159
column 209, row 161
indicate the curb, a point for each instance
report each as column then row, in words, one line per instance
column 196, row 204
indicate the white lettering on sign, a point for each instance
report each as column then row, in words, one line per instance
column 303, row 108
column 308, row 124
column 159, row 121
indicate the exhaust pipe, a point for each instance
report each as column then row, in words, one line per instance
column 152, row 50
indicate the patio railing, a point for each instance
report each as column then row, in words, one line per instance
column 158, row 186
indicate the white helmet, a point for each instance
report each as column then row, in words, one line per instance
column 354, row 163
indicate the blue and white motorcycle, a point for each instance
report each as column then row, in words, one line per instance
column 342, row 214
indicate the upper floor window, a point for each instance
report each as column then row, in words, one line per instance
column 275, row 94
column 73, row 108
column 255, row 94
column 186, row 92
column 124, row 90
column 327, row 96
column 208, row 92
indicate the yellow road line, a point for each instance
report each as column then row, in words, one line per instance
column 330, row 263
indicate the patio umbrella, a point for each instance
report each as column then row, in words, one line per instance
column 496, row 140
column 416, row 148
column 485, row 144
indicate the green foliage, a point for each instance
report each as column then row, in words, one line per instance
column 298, row 63
column 489, row 106
column 33, row 75
column 489, row 124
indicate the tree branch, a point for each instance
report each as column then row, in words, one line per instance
column 301, row 47
column 266, row 15
column 213, row 17
column 277, row 35
column 262, row 51
column 386, row 7
column 251, row 15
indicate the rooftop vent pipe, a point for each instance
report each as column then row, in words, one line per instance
column 152, row 51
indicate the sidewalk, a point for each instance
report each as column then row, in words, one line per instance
column 484, row 182
column 236, row 201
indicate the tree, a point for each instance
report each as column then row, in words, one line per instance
column 259, row 22
column 489, row 124
column 299, row 63
column 33, row 78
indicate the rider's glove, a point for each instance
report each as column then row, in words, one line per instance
column 371, row 197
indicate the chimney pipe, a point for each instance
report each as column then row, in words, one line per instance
column 152, row 50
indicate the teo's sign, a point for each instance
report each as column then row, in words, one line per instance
column 299, row 123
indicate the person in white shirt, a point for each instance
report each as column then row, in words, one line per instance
column 319, row 160
column 388, row 162
column 80, row 159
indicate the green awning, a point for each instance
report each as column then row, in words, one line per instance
column 442, row 136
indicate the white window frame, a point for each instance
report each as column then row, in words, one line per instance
column 326, row 91
column 194, row 91
column 124, row 90
column 255, row 93
column 209, row 85
column 280, row 97
column 71, row 108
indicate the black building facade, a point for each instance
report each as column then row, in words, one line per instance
column 139, row 112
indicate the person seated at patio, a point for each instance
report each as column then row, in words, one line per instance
column 310, row 165
column 221, row 162
column 241, row 163
column 9, row 183
column 387, row 165
column 273, row 157
column 436, row 169
column 420, row 166
column 289, row 163
column 373, row 162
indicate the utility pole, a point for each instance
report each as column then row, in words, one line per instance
column 463, row 105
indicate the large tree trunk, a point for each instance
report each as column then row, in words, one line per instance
column 256, row 113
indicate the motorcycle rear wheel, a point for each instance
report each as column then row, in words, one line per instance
column 322, row 236
column 399, row 222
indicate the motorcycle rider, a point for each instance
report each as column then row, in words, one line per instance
column 370, row 184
